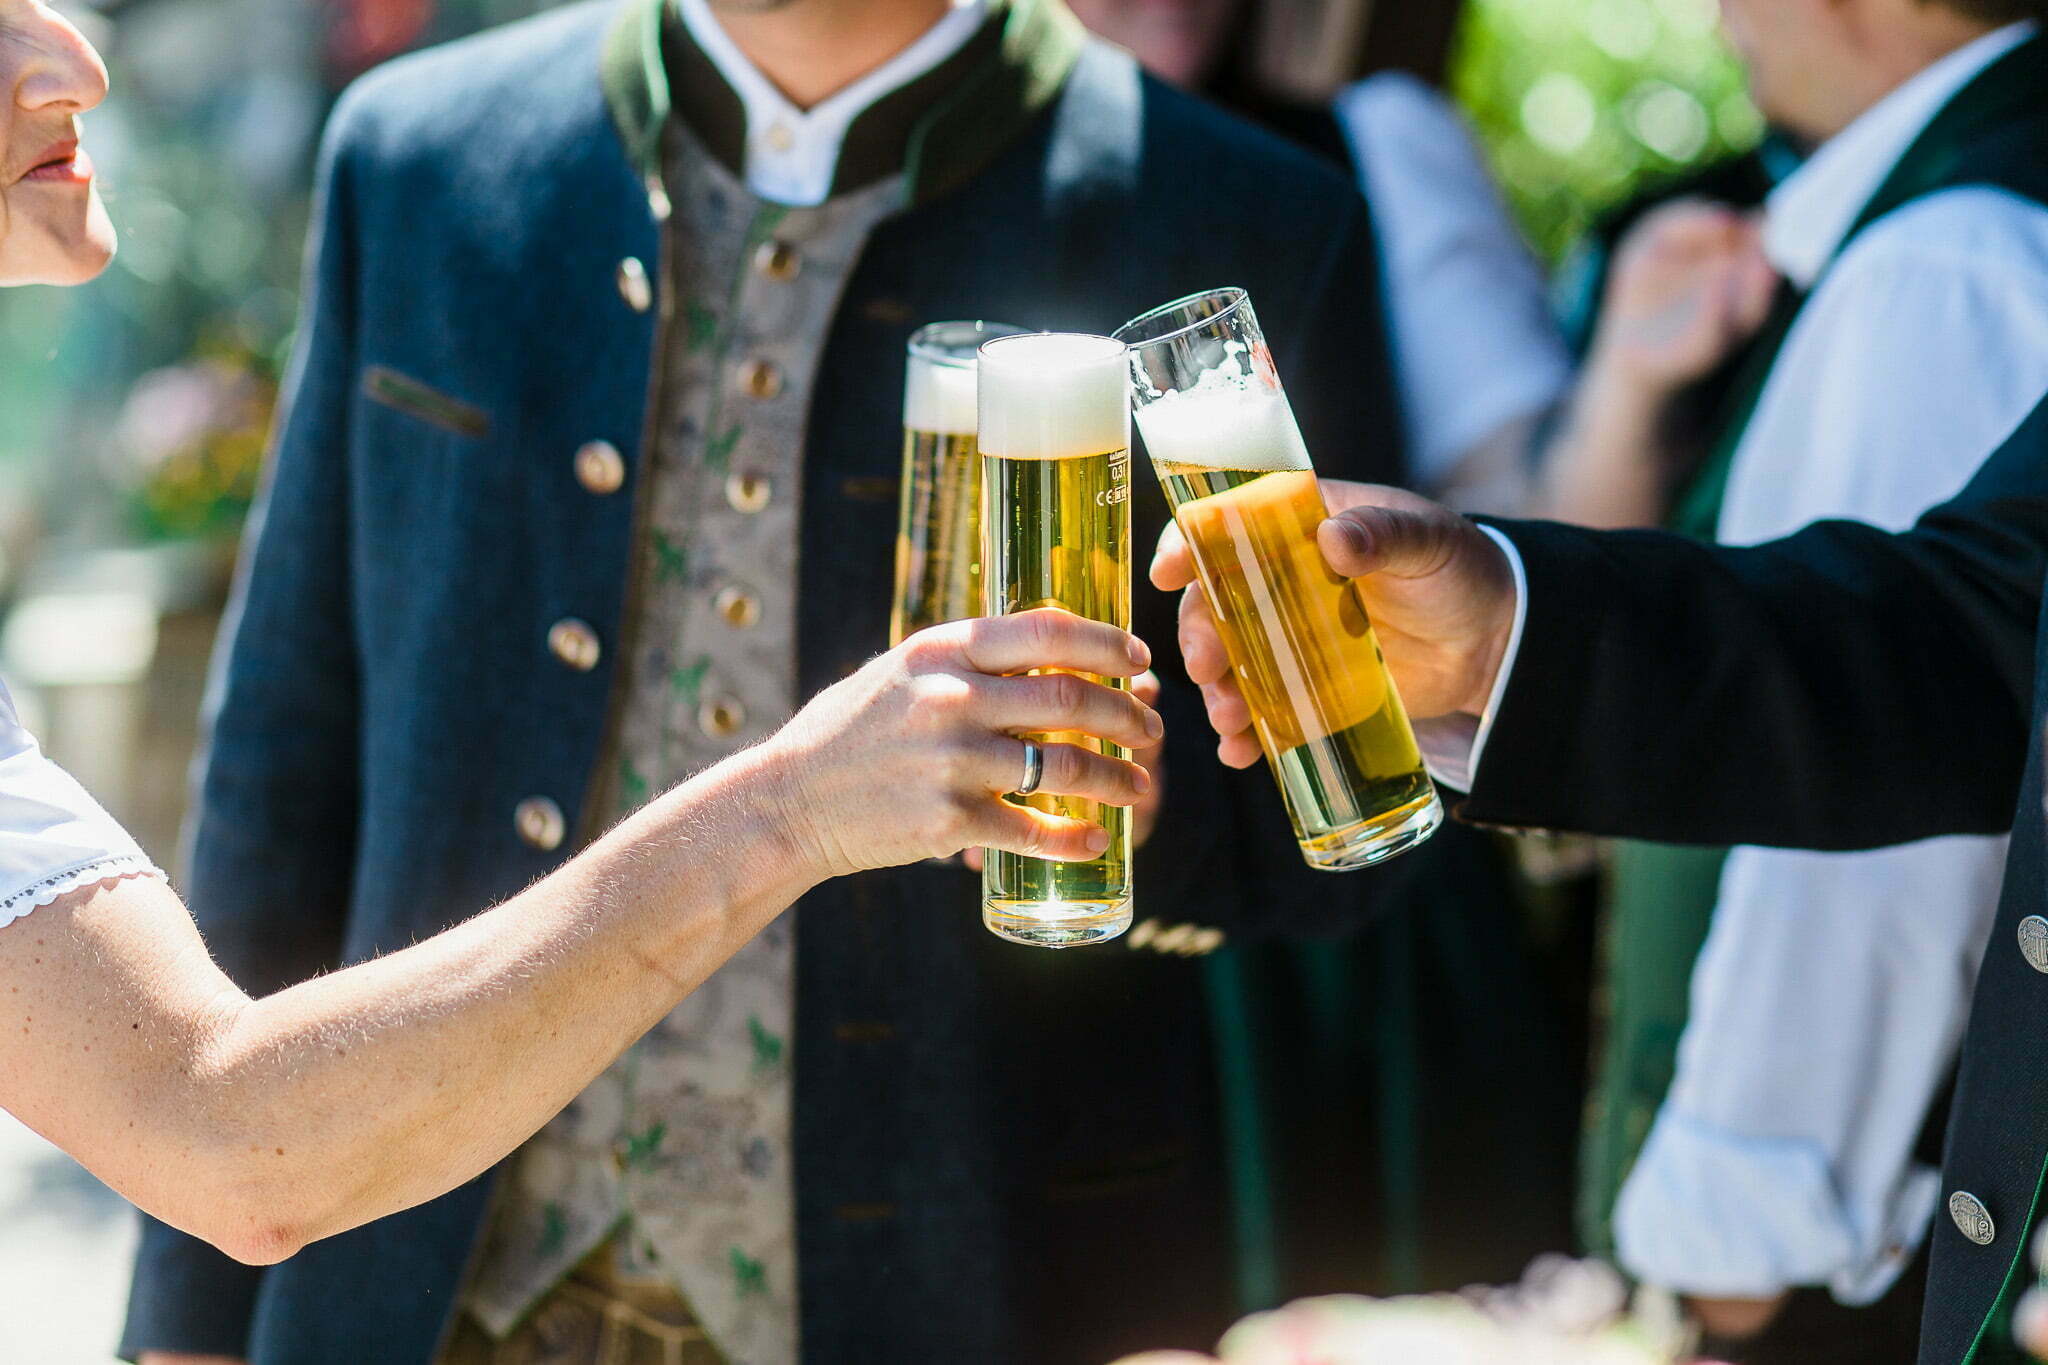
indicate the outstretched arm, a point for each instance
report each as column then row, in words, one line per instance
column 262, row 1125
column 1843, row 688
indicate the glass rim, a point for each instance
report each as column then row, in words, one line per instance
column 1078, row 362
column 1238, row 296
column 924, row 347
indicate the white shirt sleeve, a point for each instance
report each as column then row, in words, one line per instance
column 1832, row 990
column 53, row 837
column 1475, row 346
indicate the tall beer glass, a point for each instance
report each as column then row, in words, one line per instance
column 1224, row 442
column 1055, row 440
column 938, row 523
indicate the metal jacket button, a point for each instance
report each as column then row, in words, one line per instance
column 600, row 468
column 2034, row 942
column 778, row 261
column 737, row 608
column 747, row 490
column 721, row 719
column 539, row 822
column 761, row 379
column 574, row 643
column 634, row 286
column 1972, row 1219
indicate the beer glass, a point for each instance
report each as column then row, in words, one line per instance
column 938, row 522
column 1224, row 443
column 1055, row 441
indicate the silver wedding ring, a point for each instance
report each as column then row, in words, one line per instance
column 1034, row 769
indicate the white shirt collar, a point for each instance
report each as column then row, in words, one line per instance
column 792, row 154
column 1808, row 215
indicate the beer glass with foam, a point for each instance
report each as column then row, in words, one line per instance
column 1223, row 441
column 1055, row 442
column 938, row 523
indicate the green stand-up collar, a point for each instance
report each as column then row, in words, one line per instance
column 941, row 129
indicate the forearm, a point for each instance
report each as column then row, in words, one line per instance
column 1608, row 466
column 365, row 1092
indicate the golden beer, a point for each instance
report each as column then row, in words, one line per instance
column 938, row 523
column 1225, row 445
column 1056, row 488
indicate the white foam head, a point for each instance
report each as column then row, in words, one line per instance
column 1054, row 395
column 938, row 395
column 1248, row 426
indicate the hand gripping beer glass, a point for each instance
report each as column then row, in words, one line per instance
column 938, row 525
column 1224, row 442
column 1055, row 441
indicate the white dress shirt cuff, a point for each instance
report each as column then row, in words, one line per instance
column 1452, row 745
column 1715, row 1213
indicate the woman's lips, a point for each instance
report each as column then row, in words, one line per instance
column 69, row 166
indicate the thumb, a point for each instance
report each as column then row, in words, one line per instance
column 1403, row 542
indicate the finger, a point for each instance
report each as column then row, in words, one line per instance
column 973, row 858
column 1145, row 687
column 1239, row 750
column 1173, row 567
column 1034, row 834
column 1065, row 701
column 1201, row 647
column 1228, row 712
column 1397, row 541
column 1044, row 638
column 1068, row 770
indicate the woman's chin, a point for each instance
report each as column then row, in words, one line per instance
column 74, row 257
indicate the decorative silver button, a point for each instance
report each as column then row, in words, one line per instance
column 778, row 261
column 721, row 719
column 779, row 137
column 747, row 490
column 574, row 643
column 761, row 379
column 1972, row 1219
column 634, row 286
column 600, row 468
column 539, row 822
column 737, row 608
column 2034, row 942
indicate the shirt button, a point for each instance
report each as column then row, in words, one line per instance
column 747, row 490
column 574, row 643
column 761, row 379
column 1972, row 1219
column 539, row 822
column 779, row 137
column 2034, row 942
column 721, row 719
column 634, row 286
column 600, row 468
column 778, row 261
column 737, row 608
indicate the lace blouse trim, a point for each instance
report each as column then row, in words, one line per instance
column 105, row 867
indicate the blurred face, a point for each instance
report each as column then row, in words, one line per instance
column 1813, row 65
column 53, row 228
column 1179, row 41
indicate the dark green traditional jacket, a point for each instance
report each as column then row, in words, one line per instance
column 1002, row 1155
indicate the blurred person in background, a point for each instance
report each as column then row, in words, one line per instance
column 1859, row 344
column 263, row 1125
column 602, row 361
column 1371, row 1074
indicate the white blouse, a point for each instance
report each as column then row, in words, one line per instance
column 53, row 837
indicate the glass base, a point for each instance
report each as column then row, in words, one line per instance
column 1068, row 924
column 1376, row 840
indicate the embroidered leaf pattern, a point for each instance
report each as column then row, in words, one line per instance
column 689, row 682
column 633, row 785
column 718, row 450
column 749, row 1275
column 554, row 1229
column 767, row 1045
column 701, row 324
column 671, row 561
column 642, row 1148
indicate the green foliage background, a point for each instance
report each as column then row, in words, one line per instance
column 1581, row 101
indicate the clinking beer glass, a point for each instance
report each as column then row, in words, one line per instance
column 1225, row 445
column 938, row 524
column 1055, row 441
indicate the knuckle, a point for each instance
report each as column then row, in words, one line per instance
column 1067, row 693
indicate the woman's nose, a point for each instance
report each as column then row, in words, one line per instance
column 59, row 71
